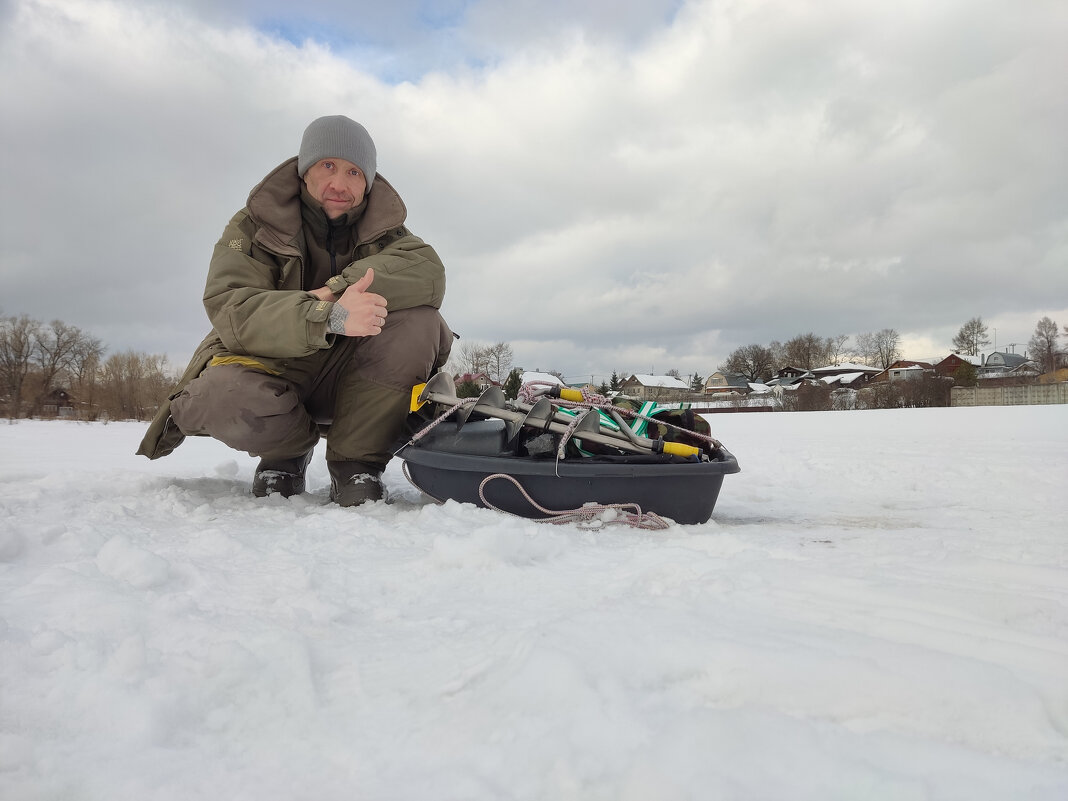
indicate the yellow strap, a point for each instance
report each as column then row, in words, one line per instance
column 241, row 361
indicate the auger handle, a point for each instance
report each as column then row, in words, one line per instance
column 566, row 393
column 681, row 449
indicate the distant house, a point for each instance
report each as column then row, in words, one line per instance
column 58, row 403
column 845, row 374
column 481, row 380
column 721, row 383
column 790, row 382
column 949, row 365
column 903, row 370
column 654, row 387
column 790, row 372
column 853, row 380
column 534, row 376
column 844, row 367
column 999, row 364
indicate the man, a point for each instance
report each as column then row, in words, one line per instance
column 324, row 310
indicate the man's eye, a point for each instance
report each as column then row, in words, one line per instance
column 328, row 165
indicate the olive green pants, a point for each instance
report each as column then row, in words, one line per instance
column 360, row 388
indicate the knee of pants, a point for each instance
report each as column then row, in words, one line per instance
column 412, row 344
column 244, row 408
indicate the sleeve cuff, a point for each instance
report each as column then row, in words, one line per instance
column 320, row 311
column 337, row 284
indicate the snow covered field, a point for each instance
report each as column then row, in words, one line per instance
column 877, row 610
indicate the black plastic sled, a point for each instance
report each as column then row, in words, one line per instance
column 452, row 462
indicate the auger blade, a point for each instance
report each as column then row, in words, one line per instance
column 489, row 403
column 511, row 433
column 540, row 415
column 588, row 423
column 441, row 388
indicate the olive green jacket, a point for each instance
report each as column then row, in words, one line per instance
column 254, row 294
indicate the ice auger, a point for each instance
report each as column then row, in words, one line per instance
column 604, row 425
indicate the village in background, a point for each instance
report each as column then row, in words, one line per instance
column 811, row 373
column 57, row 371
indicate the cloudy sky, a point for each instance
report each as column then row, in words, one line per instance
column 628, row 185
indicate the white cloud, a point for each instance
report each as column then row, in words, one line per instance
column 653, row 185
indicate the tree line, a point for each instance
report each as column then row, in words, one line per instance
column 879, row 349
column 39, row 360
column 49, row 367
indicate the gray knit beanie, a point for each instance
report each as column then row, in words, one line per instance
column 340, row 138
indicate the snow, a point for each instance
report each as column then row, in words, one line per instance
column 663, row 381
column 843, row 378
column 844, row 367
column 878, row 609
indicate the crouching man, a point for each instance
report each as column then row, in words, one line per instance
column 324, row 313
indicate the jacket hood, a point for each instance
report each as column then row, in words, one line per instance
column 274, row 205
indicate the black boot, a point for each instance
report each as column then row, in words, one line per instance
column 282, row 476
column 353, row 483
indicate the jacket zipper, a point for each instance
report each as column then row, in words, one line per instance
column 330, row 247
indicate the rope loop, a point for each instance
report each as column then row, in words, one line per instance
column 589, row 516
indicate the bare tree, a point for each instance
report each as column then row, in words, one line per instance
column 16, row 355
column 972, row 338
column 472, row 358
column 1043, row 345
column 836, row 348
column 498, row 360
column 85, row 371
column 778, row 355
column 54, row 349
column 755, row 362
column 133, row 383
column 879, row 349
column 806, row 351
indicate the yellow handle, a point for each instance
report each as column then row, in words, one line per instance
column 573, row 395
column 679, row 449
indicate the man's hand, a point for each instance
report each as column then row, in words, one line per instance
column 367, row 311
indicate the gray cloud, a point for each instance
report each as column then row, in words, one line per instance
column 613, row 187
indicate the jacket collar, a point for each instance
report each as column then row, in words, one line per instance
column 274, row 205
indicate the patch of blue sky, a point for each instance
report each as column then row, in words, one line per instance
column 299, row 31
column 393, row 55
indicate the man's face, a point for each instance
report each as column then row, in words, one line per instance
column 337, row 184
